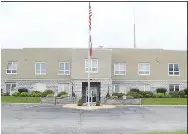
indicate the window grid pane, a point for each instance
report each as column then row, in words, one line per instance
column 173, row 69
column 93, row 65
column 11, row 68
column 119, row 68
column 143, row 68
column 40, row 68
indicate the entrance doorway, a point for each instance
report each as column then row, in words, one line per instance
column 94, row 92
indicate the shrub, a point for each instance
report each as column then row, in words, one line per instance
column 181, row 94
column 50, row 95
column 129, row 97
column 135, row 90
column 185, row 96
column 154, row 95
column 114, row 97
column 64, row 96
column 24, row 94
column 36, row 94
column 134, row 94
column 161, row 90
column 46, row 92
column 22, row 90
column 16, row 94
column 146, row 94
column 62, row 93
column 107, row 95
column 119, row 95
column 98, row 103
column 160, row 95
column 80, row 102
column 174, row 94
column 167, row 96
column 186, row 92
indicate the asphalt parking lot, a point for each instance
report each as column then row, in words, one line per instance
column 46, row 119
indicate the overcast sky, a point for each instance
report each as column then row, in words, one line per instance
column 158, row 25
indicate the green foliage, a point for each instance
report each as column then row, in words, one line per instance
column 134, row 94
column 119, row 95
column 160, row 95
column 174, row 94
column 36, row 94
column 181, row 94
column 107, row 95
column 22, row 90
column 146, row 94
column 98, row 103
column 50, row 95
column 129, row 97
column 114, row 97
column 16, row 94
column 24, row 94
column 62, row 93
column 167, row 96
column 80, row 102
column 135, row 90
column 46, row 92
column 161, row 90
column 186, row 91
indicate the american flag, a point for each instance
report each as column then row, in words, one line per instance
column 90, row 43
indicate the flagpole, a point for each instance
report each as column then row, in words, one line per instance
column 134, row 28
column 89, row 68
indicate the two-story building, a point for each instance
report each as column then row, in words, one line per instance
column 113, row 70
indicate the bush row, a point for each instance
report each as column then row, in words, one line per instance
column 46, row 93
column 161, row 93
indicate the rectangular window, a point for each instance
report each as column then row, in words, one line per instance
column 174, row 87
column 64, row 68
column 144, row 87
column 173, row 69
column 10, row 87
column 64, row 87
column 116, row 88
column 40, row 68
column 119, row 68
column 143, row 68
column 93, row 65
column 12, row 67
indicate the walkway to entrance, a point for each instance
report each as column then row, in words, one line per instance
column 94, row 91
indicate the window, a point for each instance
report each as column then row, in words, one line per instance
column 12, row 67
column 174, row 87
column 143, row 68
column 93, row 65
column 116, row 88
column 173, row 69
column 119, row 68
column 10, row 87
column 64, row 68
column 40, row 68
column 144, row 87
column 64, row 87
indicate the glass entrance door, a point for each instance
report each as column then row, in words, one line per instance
column 92, row 94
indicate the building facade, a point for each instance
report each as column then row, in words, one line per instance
column 112, row 70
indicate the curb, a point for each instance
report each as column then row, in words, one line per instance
column 157, row 105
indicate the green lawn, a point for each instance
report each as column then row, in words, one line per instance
column 12, row 99
column 164, row 101
column 176, row 132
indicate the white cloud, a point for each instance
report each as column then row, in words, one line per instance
column 158, row 25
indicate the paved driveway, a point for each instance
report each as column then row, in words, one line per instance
column 38, row 119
